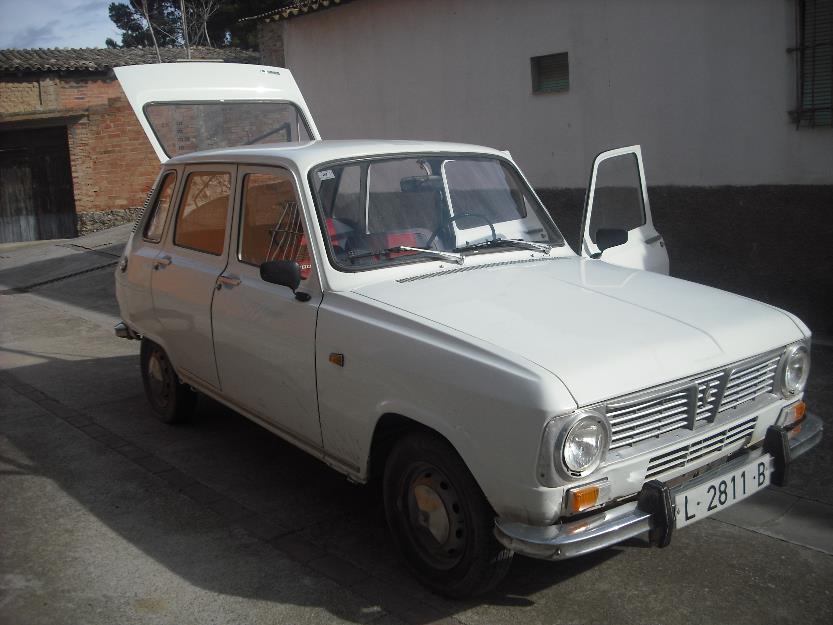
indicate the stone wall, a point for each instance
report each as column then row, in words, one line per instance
column 101, row 220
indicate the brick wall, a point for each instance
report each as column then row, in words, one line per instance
column 23, row 95
column 270, row 41
column 81, row 93
column 113, row 165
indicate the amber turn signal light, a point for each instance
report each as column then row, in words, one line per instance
column 792, row 415
column 584, row 497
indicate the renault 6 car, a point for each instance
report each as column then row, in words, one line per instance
column 409, row 311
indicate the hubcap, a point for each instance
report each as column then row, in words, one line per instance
column 435, row 518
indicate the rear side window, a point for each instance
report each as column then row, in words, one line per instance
column 160, row 209
column 203, row 212
column 271, row 225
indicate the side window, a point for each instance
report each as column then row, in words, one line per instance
column 203, row 212
column 271, row 226
column 160, row 209
column 617, row 199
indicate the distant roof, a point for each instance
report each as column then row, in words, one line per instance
column 295, row 9
column 100, row 59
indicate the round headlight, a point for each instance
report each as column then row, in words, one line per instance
column 584, row 445
column 795, row 369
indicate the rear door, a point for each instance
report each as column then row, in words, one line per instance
column 185, row 271
column 135, row 273
column 617, row 226
column 186, row 107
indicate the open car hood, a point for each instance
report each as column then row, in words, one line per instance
column 185, row 107
column 605, row 331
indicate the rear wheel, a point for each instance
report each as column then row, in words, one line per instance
column 171, row 400
column 440, row 520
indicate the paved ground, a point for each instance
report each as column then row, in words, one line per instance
column 108, row 516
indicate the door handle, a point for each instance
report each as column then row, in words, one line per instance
column 229, row 281
column 162, row 262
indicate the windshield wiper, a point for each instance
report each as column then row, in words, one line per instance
column 457, row 258
column 519, row 243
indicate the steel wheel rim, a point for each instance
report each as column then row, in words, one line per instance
column 159, row 379
column 433, row 517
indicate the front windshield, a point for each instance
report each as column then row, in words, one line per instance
column 393, row 210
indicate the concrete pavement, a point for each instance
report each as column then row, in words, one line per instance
column 107, row 515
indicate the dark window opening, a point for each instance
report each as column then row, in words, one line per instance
column 813, row 63
column 550, row 73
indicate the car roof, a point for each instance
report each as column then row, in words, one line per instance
column 310, row 153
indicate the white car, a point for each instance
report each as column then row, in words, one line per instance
column 409, row 311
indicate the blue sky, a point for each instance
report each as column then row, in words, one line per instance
column 55, row 24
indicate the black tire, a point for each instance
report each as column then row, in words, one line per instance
column 171, row 400
column 451, row 550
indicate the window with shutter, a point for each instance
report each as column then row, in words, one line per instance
column 813, row 63
column 550, row 73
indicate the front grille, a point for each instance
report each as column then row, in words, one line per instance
column 647, row 415
column 633, row 422
column 749, row 383
column 714, row 442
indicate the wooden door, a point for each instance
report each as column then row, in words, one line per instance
column 36, row 192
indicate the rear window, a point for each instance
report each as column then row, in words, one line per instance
column 203, row 212
column 183, row 127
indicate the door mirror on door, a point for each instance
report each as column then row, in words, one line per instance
column 610, row 237
column 282, row 272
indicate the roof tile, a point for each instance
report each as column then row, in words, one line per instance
column 295, row 9
column 100, row 59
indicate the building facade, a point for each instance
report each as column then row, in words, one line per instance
column 73, row 158
column 705, row 87
column 731, row 102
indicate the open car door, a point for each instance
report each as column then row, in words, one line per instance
column 190, row 106
column 617, row 225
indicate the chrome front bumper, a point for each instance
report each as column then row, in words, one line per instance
column 123, row 331
column 653, row 511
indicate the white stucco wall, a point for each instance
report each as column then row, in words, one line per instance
column 703, row 85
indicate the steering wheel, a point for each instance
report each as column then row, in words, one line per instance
column 449, row 220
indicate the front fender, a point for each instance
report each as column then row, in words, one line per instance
column 491, row 406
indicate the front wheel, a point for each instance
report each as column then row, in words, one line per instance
column 440, row 520
column 172, row 401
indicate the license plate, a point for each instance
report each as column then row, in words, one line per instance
column 710, row 496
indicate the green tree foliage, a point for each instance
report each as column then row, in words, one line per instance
column 223, row 27
column 164, row 14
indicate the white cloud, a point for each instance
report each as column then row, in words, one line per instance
column 55, row 24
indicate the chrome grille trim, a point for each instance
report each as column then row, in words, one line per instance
column 687, row 403
column 631, row 423
column 746, row 384
column 680, row 457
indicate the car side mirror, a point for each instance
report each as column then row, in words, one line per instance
column 282, row 272
column 610, row 237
